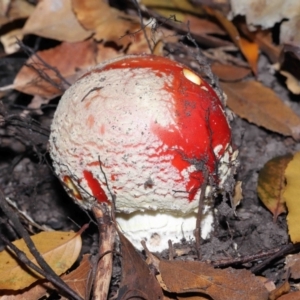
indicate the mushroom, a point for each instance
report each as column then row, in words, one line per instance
column 150, row 131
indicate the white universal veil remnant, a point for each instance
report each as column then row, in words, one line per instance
column 153, row 128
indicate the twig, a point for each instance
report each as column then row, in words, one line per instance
column 51, row 276
column 40, row 72
column 142, row 24
column 107, row 232
column 283, row 251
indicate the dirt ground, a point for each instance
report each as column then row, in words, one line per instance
column 26, row 177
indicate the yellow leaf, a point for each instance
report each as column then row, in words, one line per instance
column 271, row 182
column 59, row 249
column 292, row 197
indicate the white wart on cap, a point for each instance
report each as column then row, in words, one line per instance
column 156, row 128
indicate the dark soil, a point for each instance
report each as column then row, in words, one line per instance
column 26, row 177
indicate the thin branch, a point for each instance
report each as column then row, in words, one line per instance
column 135, row 2
column 41, row 73
column 51, row 276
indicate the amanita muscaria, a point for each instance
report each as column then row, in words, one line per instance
column 158, row 130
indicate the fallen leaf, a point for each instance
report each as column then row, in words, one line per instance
column 265, row 41
column 9, row 41
column 260, row 105
column 55, row 20
column 197, row 277
column 178, row 5
column 292, row 82
column 78, row 278
column 249, row 49
column 70, row 60
column 292, row 262
column 284, row 288
column 34, row 291
column 107, row 23
column 59, row 249
column 290, row 296
column 137, row 281
column 237, row 195
column 271, row 184
column 228, row 72
column 14, row 10
column 292, row 196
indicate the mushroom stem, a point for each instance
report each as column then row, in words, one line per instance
column 107, row 233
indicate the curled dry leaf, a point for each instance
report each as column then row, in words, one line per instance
column 55, row 20
column 14, row 10
column 260, row 105
column 291, row 196
column 282, row 289
column 228, row 72
column 249, row 49
column 137, row 281
column 70, row 60
column 271, row 184
column 197, row 277
column 59, row 249
column 292, row 262
column 290, row 296
column 108, row 23
column 292, row 82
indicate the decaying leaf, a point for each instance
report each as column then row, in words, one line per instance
column 55, row 20
column 271, row 184
column 292, row 197
column 59, row 249
column 237, row 195
column 282, row 289
column 249, row 49
column 292, row 82
column 108, row 23
column 70, row 60
column 228, row 72
column 197, row 277
column 137, row 281
column 292, row 262
column 14, row 10
column 290, row 296
column 78, row 278
column 260, row 105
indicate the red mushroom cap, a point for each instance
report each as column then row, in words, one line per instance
column 144, row 127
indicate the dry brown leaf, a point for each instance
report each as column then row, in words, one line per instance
column 265, row 41
column 55, row 20
column 292, row 197
column 290, row 296
column 173, row 5
column 237, row 195
column 77, row 279
column 292, row 262
column 229, row 73
column 14, row 10
column 271, row 184
column 198, row 277
column 107, row 23
column 260, row 105
column 35, row 291
column 59, row 249
column 137, row 281
column 71, row 60
column 292, row 82
column 9, row 41
column 279, row 291
column 249, row 49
